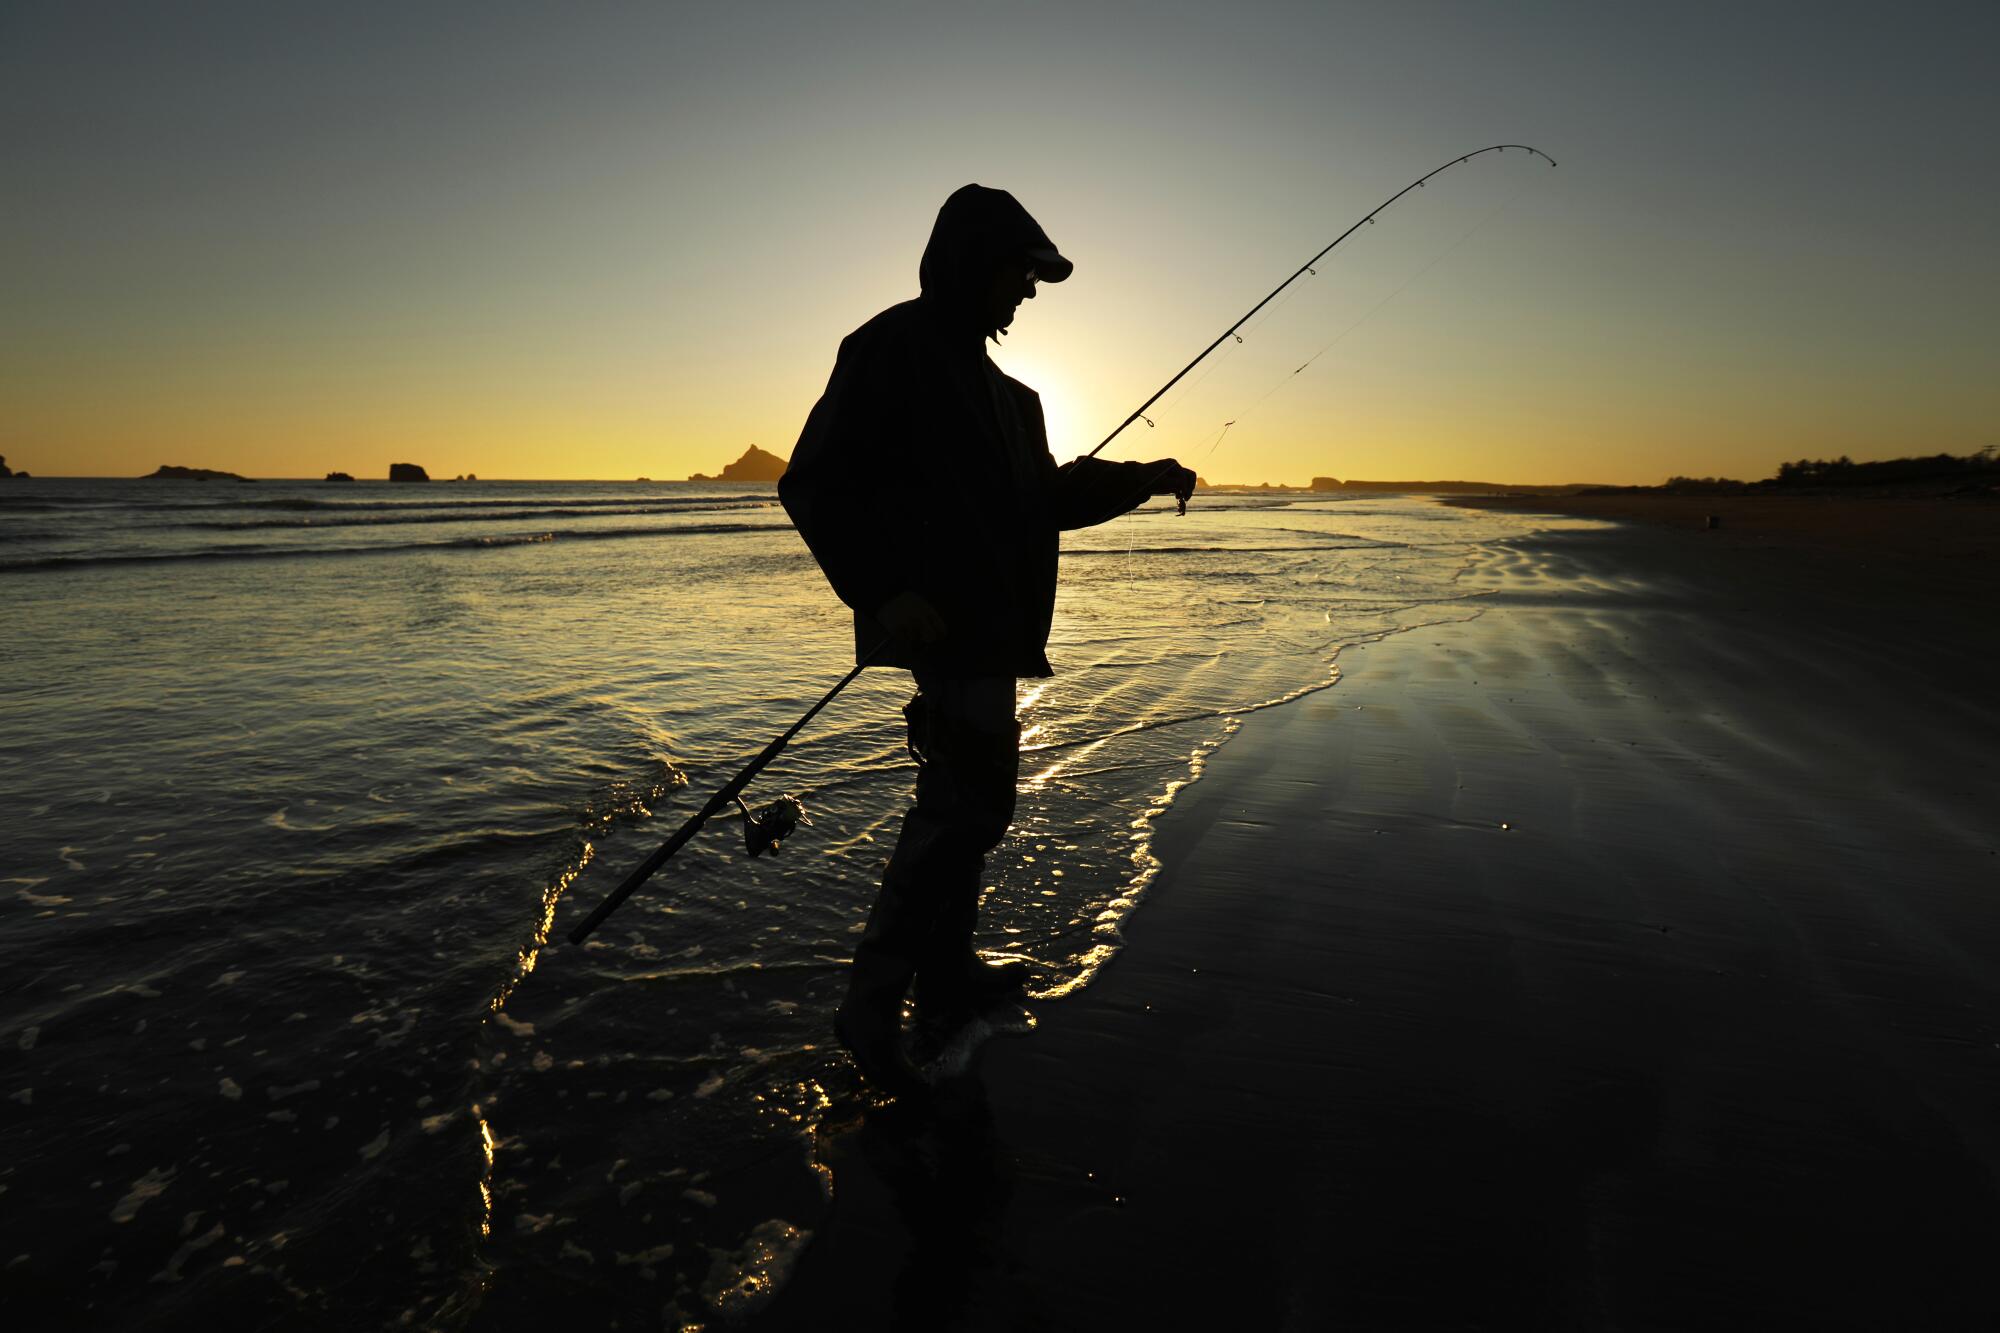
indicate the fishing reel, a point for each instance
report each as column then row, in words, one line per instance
column 767, row 826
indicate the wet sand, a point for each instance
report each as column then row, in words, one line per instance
column 1941, row 531
column 1624, row 957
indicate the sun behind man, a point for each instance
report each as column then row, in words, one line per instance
column 924, row 486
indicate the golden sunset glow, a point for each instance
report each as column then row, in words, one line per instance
column 279, row 251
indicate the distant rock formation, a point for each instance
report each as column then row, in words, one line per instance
column 407, row 472
column 6, row 471
column 1201, row 483
column 168, row 472
column 1412, row 487
column 1335, row 486
column 338, row 476
column 755, row 465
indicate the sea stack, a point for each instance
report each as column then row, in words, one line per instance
column 407, row 472
column 339, row 476
column 755, row 465
column 173, row 472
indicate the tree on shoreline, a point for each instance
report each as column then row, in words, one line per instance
column 1844, row 471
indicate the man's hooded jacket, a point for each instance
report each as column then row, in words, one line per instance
column 923, row 468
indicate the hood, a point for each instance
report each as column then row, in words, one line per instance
column 977, row 230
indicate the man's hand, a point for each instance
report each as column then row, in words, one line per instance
column 1170, row 478
column 907, row 616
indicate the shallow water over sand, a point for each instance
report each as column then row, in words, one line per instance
column 288, row 837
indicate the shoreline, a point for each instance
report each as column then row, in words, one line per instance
column 1614, row 959
column 1940, row 536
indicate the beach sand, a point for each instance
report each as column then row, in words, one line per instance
column 1943, row 536
column 1623, row 957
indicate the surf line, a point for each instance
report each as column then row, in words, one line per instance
column 764, row 829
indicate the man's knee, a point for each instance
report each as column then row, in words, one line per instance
column 981, row 833
column 937, row 854
column 967, row 768
column 967, row 784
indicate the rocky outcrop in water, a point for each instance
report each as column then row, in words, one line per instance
column 755, row 465
column 407, row 472
column 6, row 471
column 339, row 476
column 169, row 472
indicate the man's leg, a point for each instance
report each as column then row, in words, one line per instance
column 870, row 1020
column 967, row 747
column 968, row 744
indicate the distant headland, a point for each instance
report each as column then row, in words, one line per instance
column 755, row 465
column 6, row 471
column 170, row 472
column 1430, row 487
column 1972, row 474
column 1335, row 486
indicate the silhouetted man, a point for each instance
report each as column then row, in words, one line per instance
column 924, row 486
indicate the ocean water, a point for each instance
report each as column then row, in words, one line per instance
column 304, row 782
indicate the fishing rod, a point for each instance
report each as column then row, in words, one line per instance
column 1304, row 269
column 764, row 829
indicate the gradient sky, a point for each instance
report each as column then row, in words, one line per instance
column 608, row 241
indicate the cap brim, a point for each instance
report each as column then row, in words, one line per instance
column 1050, row 266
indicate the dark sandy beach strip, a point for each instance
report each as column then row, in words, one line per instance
column 1623, row 958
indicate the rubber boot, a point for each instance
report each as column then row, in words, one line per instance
column 946, row 965
column 870, row 1021
column 954, row 986
column 870, row 1026
column 968, row 982
column 980, row 987
column 997, row 981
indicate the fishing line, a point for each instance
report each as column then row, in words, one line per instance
column 1241, row 336
column 1370, row 313
column 1309, row 268
column 1305, row 268
column 1407, row 282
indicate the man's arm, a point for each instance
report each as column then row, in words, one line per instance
column 1089, row 491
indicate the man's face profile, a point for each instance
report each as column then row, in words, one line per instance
column 1012, row 283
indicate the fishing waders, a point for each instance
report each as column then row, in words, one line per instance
column 964, row 737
